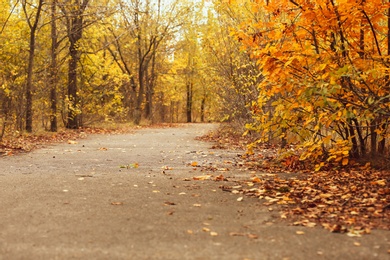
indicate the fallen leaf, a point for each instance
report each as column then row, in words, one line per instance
column 202, row 177
column 213, row 234
column 197, row 205
column 220, row 178
column 235, row 234
column 256, row 180
column 168, row 203
column 355, row 233
column 310, row 224
column 72, row 142
column 194, row 164
column 223, row 169
column 252, row 236
column 380, row 182
column 300, row 232
column 206, row 229
column 128, row 166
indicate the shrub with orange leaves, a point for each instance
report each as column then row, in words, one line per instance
column 326, row 75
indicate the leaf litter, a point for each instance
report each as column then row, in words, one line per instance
column 21, row 142
column 351, row 200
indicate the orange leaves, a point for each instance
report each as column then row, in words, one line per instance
column 322, row 85
column 339, row 201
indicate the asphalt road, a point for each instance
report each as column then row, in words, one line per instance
column 133, row 196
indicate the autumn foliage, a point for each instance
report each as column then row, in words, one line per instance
column 325, row 68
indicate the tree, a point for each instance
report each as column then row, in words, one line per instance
column 74, row 12
column 236, row 73
column 325, row 75
column 146, row 31
column 53, row 67
column 32, row 18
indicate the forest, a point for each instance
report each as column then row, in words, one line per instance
column 313, row 75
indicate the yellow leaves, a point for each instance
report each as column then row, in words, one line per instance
column 319, row 166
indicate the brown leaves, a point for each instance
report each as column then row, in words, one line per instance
column 340, row 201
column 249, row 235
column 208, row 177
column 11, row 145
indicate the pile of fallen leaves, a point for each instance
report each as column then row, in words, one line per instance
column 226, row 137
column 13, row 144
column 353, row 200
column 25, row 143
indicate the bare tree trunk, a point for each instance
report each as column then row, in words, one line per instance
column 53, row 69
column 151, row 79
column 202, row 108
column 140, row 97
column 73, row 114
column 74, row 22
column 33, row 25
column 189, row 102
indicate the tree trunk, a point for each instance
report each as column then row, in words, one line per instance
column 74, row 17
column 73, row 114
column 29, row 114
column 202, row 108
column 33, row 28
column 354, row 153
column 53, row 69
column 373, row 137
column 140, row 97
column 151, row 79
column 76, row 33
column 189, row 102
